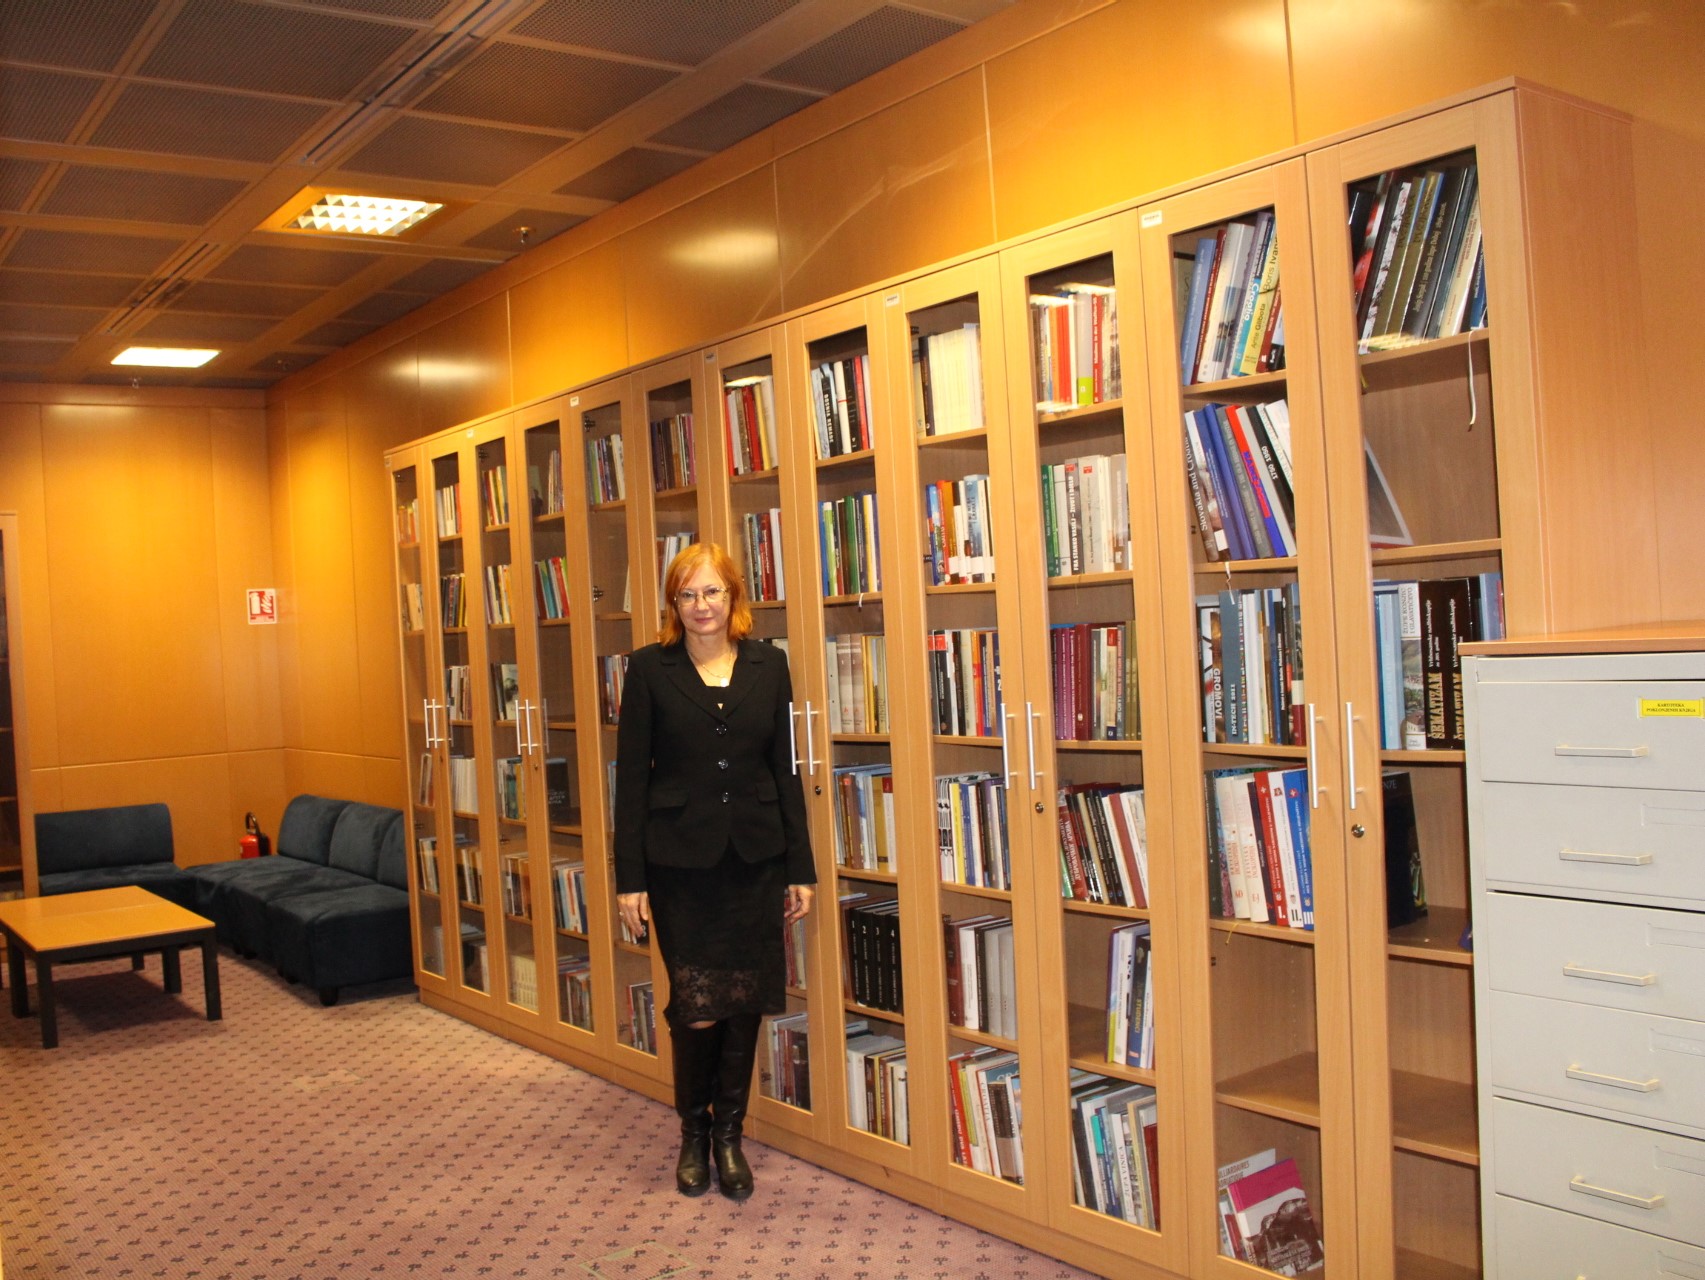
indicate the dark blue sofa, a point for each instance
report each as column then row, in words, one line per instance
column 82, row 849
column 331, row 909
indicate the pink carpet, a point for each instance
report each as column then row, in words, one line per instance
column 380, row 1138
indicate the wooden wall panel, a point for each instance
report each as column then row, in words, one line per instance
column 22, row 491
column 569, row 323
column 197, row 789
column 133, row 582
column 319, row 619
column 896, row 191
column 463, row 364
column 344, row 777
column 257, row 787
column 242, row 516
column 46, row 792
column 1139, row 96
column 707, row 268
column 283, row 568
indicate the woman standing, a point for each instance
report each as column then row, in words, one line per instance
column 711, row 845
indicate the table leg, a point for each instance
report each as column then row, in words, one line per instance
column 44, row 994
column 210, row 978
column 173, row 973
column 136, row 960
column 20, row 988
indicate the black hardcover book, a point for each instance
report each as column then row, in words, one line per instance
column 1405, row 885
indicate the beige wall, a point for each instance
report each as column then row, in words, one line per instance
column 144, row 517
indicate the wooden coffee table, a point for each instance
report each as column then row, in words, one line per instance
column 126, row 921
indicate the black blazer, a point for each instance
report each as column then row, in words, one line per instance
column 692, row 778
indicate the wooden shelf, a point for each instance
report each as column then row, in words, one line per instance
column 1086, row 1026
column 861, row 598
column 1098, row 744
column 1277, row 932
column 960, row 589
column 957, row 1032
column 880, row 739
column 1434, row 1117
column 846, row 459
column 1434, row 361
column 1418, row 1266
column 1080, row 413
column 976, row 891
column 1115, row 577
column 1429, row 756
column 953, row 437
column 1435, row 937
column 1079, row 907
column 880, row 877
column 1464, row 550
column 1256, row 387
column 1288, row 1090
column 749, row 477
column 614, row 504
column 866, row 1011
column 1261, row 749
column 1220, row 568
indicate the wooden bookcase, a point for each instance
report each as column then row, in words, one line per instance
column 1346, row 1046
column 17, row 822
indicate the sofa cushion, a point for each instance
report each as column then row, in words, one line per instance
column 305, row 831
column 356, row 839
column 342, row 937
column 213, row 881
column 119, row 836
column 243, row 903
column 164, row 878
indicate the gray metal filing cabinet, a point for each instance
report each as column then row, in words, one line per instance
column 1586, row 798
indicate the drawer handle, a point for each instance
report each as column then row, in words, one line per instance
column 1578, row 1183
column 1615, row 1082
column 1616, row 859
column 1614, row 753
column 1573, row 970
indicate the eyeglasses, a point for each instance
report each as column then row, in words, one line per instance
column 712, row 596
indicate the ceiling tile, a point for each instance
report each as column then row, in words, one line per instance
column 280, row 363
column 17, row 179
column 628, row 174
column 443, row 151
column 205, row 122
column 414, row 10
column 541, row 224
column 91, row 35
column 661, row 29
column 335, row 333
column 25, row 351
column 43, row 106
column 293, row 51
column 864, row 48
column 736, row 115
column 184, row 327
column 517, row 84
column 140, row 196
column 23, row 318
column 237, row 384
column 279, row 264
column 276, row 300
column 59, row 250
column 441, row 275
column 382, row 308
column 67, row 288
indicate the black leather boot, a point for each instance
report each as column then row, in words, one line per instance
column 728, row 1110
column 697, row 1052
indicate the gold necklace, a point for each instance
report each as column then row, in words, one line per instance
column 718, row 671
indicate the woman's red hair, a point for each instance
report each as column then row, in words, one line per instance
column 683, row 567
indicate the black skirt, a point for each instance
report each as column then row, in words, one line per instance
column 720, row 932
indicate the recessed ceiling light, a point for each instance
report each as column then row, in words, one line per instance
column 362, row 215
column 166, row 357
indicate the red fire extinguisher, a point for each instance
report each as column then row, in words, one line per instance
column 254, row 844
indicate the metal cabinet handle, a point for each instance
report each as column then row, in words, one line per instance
column 1574, row 970
column 1314, row 788
column 1007, row 771
column 1578, row 1183
column 810, row 738
column 1615, row 1082
column 793, row 736
column 1613, row 753
column 1031, row 717
column 1349, row 751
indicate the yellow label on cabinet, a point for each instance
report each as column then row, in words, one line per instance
column 1694, row 707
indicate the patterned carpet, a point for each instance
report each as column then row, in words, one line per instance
column 380, row 1138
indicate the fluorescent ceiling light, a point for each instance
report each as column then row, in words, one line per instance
column 166, row 357
column 362, row 215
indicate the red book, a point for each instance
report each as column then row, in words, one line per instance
column 1273, row 1218
column 1272, row 873
column 1203, row 346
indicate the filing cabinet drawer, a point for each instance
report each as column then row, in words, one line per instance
column 1586, row 841
column 1536, row 1243
column 1639, row 1178
column 1592, row 733
column 1627, row 1064
column 1643, row 959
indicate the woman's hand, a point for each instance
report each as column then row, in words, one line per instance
column 799, row 901
column 635, row 911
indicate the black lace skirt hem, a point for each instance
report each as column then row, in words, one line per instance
column 720, row 934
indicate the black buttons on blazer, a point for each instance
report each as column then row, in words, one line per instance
column 722, row 728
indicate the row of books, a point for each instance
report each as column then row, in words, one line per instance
column 1115, row 1148
column 872, row 927
column 464, row 784
column 1094, row 670
column 408, row 521
column 453, row 601
column 1086, row 515
column 642, row 1017
column 669, row 545
column 750, row 424
column 964, row 676
column 470, row 880
column 760, row 539
column 497, row 609
column 426, row 862
column 1265, row 1218
column 612, row 675
column 1075, row 333
column 971, row 830
column 1416, row 253
column 674, row 454
column 544, row 486
column 1260, row 860
column 947, row 381
column 574, row 990
column 1233, row 315
column 550, row 580
column 840, row 406
column 423, row 795
column 858, row 683
column 1251, row 665
column 414, row 607
column 851, row 544
column 865, row 835
column 606, row 468
column 505, row 690
column 568, row 896
column 1103, row 842
column 988, row 1115
column 1130, row 997
column 459, row 691
column 1418, row 628
column 877, row 1095
column 981, row 975
column 523, row 980
column 784, row 1072
column 794, row 951
column 494, row 484
column 511, row 788
column 1237, row 460
column 447, row 505
column 959, row 531
column 475, row 960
